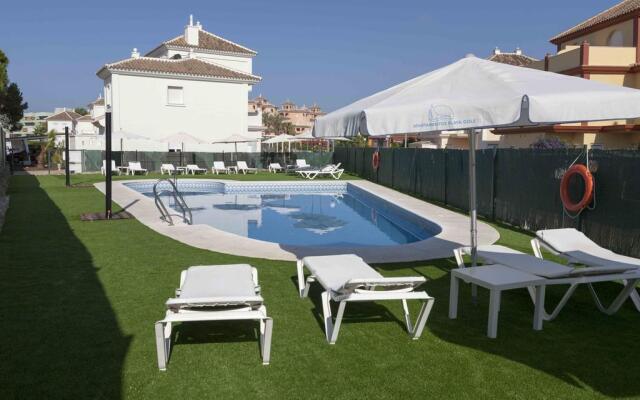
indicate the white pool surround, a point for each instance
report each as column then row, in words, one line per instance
column 454, row 227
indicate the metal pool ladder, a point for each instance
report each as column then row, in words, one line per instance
column 164, row 213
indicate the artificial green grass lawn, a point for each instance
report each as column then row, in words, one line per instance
column 79, row 301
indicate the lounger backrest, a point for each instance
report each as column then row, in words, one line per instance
column 274, row 165
column 219, row 165
column 566, row 239
column 301, row 163
column 168, row 166
column 581, row 249
column 192, row 166
column 113, row 164
column 135, row 165
column 242, row 165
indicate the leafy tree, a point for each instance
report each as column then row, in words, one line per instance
column 81, row 110
column 12, row 106
column 4, row 77
column 40, row 129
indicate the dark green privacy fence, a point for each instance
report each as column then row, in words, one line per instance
column 151, row 160
column 517, row 186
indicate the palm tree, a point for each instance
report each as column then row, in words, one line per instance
column 277, row 123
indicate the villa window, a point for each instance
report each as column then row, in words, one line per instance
column 175, row 95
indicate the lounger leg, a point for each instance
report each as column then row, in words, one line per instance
column 538, row 314
column 423, row 316
column 453, row 297
column 561, row 304
column 266, row 329
column 407, row 317
column 494, row 310
column 336, row 326
column 635, row 297
column 629, row 287
column 163, row 343
column 301, row 283
column 326, row 314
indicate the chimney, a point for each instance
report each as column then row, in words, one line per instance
column 496, row 51
column 191, row 54
column 191, row 33
column 518, row 51
column 135, row 53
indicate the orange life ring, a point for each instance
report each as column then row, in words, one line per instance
column 375, row 160
column 587, row 197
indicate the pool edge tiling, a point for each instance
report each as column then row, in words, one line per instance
column 454, row 226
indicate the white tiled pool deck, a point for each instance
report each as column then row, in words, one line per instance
column 454, row 233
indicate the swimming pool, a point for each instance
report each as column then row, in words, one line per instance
column 332, row 214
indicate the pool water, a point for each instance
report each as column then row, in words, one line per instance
column 343, row 218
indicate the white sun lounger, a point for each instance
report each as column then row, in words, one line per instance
column 557, row 274
column 135, row 166
column 334, row 170
column 215, row 293
column 274, row 167
column 114, row 169
column 218, row 167
column 244, row 168
column 168, row 168
column 347, row 278
column 194, row 169
column 301, row 164
column 577, row 248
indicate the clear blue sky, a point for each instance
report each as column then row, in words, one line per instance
column 332, row 52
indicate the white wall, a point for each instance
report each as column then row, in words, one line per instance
column 59, row 126
column 85, row 128
column 211, row 110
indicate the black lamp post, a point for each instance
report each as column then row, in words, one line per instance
column 107, row 167
column 67, row 173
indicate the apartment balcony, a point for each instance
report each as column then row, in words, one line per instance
column 585, row 60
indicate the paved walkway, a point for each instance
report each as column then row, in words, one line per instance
column 455, row 230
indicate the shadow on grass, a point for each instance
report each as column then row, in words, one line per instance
column 61, row 338
column 355, row 312
column 582, row 347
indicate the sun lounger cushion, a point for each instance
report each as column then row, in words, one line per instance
column 533, row 265
column 333, row 272
column 577, row 245
column 218, row 281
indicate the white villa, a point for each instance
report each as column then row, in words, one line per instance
column 196, row 84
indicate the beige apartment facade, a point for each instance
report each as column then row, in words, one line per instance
column 302, row 118
column 603, row 48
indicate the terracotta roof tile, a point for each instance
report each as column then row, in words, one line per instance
column 209, row 41
column 519, row 60
column 619, row 10
column 85, row 118
column 64, row 116
column 187, row 66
